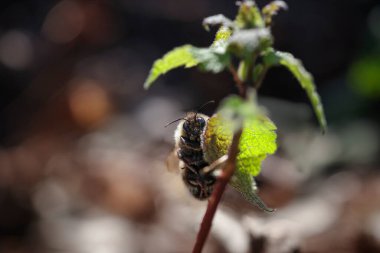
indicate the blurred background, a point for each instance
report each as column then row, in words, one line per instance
column 83, row 146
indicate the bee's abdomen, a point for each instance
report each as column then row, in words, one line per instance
column 199, row 185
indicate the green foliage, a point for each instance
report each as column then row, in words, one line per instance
column 305, row 79
column 249, row 16
column 258, row 137
column 364, row 76
column 221, row 37
column 239, row 38
column 272, row 9
column 234, row 109
column 258, row 140
column 244, row 39
column 246, row 42
column 246, row 185
column 212, row 59
column 178, row 57
column 219, row 19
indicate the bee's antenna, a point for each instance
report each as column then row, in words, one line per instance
column 174, row 121
column 203, row 106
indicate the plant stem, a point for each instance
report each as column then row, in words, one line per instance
column 224, row 178
column 214, row 200
column 239, row 83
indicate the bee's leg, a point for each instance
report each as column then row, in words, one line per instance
column 192, row 170
column 185, row 142
column 216, row 164
column 191, row 157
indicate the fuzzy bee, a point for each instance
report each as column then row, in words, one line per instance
column 199, row 181
column 199, row 154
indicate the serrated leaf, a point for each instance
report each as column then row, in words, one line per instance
column 246, row 185
column 272, row 9
column 249, row 16
column 178, row 57
column 258, row 137
column 257, row 141
column 305, row 79
column 245, row 42
column 217, row 20
column 221, row 37
column 212, row 59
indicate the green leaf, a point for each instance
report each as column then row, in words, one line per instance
column 243, row 70
column 258, row 137
column 221, row 37
column 246, row 185
column 212, row 59
column 257, row 141
column 254, row 147
column 249, row 16
column 272, row 9
column 244, row 43
column 305, row 79
column 217, row 20
column 178, row 57
column 236, row 110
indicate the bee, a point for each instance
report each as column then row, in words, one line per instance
column 199, row 172
column 199, row 181
column 188, row 149
column 196, row 173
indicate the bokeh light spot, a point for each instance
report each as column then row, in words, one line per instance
column 64, row 22
column 16, row 50
column 89, row 103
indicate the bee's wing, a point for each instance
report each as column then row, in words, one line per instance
column 172, row 162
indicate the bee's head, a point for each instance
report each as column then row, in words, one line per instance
column 193, row 125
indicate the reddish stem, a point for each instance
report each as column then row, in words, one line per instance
column 214, row 200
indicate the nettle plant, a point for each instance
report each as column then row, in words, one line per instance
column 240, row 135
